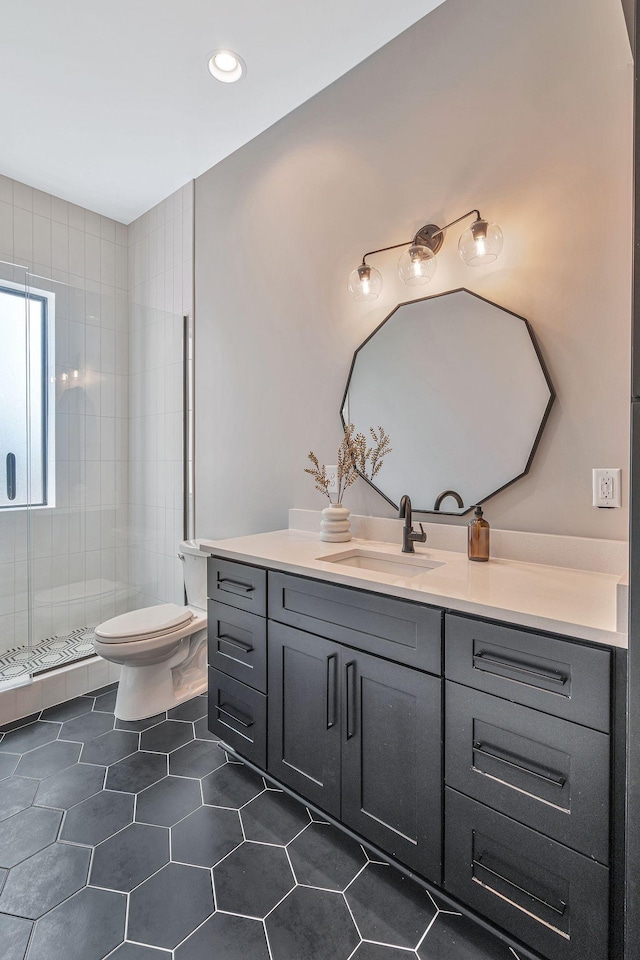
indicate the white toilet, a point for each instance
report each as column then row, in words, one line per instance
column 162, row 649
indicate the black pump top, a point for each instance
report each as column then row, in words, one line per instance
column 478, row 511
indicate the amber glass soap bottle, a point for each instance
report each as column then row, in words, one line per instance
column 478, row 547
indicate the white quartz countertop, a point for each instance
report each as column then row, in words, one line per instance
column 576, row 603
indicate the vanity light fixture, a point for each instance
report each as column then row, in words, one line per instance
column 480, row 243
column 227, row 66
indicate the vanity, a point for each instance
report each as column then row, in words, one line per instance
column 479, row 754
column 465, row 721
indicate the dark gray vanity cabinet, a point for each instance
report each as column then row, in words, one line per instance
column 392, row 759
column 360, row 737
column 528, row 783
column 491, row 784
column 304, row 718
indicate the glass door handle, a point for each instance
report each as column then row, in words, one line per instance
column 11, row 476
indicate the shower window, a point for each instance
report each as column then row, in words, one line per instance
column 27, row 397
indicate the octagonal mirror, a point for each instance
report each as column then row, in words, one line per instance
column 460, row 386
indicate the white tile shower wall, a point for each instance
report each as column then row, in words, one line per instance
column 79, row 547
column 160, row 294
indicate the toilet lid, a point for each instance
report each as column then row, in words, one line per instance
column 147, row 622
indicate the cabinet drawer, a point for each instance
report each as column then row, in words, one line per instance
column 237, row 584
column 396, row 629
column 565, row 679
column 551, row 898
column 547, row 773
column 238, row 715
column 238, row 644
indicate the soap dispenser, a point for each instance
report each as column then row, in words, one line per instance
column 478, row 547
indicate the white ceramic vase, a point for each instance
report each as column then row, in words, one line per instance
column 335, row 526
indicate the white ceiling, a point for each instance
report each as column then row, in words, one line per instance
column 110, row 104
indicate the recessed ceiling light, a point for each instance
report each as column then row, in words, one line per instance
column 226, row 65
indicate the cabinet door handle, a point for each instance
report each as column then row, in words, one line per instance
column 240, row 644
column 240, row 718
column 551, row 675
column 558, row 908
column 555, row 781
column 232, row 586
column 332, row 699
column 350, row 673
column 11, row 476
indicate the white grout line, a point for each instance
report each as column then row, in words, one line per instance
column 431, row 923
column 344, row 897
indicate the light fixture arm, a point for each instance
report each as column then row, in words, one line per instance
column 430, row 236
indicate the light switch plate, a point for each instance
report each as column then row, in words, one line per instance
column 607, row 487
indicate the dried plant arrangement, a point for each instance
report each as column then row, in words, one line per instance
column 356, row 457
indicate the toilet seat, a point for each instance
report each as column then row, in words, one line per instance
column 144, row 624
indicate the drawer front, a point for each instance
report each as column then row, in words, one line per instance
column 552, row 898
column 238, row 644
column 238, row 715
column 565, row 679
column 396, row 629
column 238, row 585
column 547, row 773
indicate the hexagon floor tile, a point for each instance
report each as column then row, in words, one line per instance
column 129, row 857
column 16, row 794
column 166, row 736
column 168, row 801
column 252, row 880
column 86, row 927
column 29, row 737
column 136, row 772
column 314, row 924
column 322, row 856
column 273, row 817
column 45, row 880
column 169, row 906
column 388, row 907
column 206, row 836
column 72, row 856
column 27, row 832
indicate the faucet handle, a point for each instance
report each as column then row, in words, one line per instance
column 422, row 537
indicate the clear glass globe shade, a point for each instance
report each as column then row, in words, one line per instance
column 365, row 283
column 480, row 243
column 417, row 265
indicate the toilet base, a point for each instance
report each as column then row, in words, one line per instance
column 145, row 690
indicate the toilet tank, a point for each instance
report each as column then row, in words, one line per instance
column 194, row 565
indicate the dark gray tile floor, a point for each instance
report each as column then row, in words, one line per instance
column 143, row 841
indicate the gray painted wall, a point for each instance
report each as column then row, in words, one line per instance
column 493, row 104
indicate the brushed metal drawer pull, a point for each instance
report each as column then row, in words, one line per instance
column 233, row 716
column 350, row 675
column 246, row 647
column 550, row 906
column 332, row 697
column 550, row 675
column 555, row 781
column 232, row 586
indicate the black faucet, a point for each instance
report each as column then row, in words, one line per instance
column 448, row 493
column 409, row 536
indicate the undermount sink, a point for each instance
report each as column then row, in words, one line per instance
column 410, row 566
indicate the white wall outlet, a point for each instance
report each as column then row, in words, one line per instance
column 606, row 487
column 332, row 473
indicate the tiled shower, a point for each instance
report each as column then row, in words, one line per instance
column 109, row 544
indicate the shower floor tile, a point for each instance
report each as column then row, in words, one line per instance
column 207, row 861
column 54, row 652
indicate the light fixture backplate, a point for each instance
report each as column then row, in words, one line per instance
column 425, row 237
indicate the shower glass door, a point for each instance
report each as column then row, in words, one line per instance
column 23, row 478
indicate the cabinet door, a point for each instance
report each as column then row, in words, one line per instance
column 392, row 759
column 304, row 718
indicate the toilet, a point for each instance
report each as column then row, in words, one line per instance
column 162, row 650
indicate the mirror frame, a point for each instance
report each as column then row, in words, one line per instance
column 543, row 422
